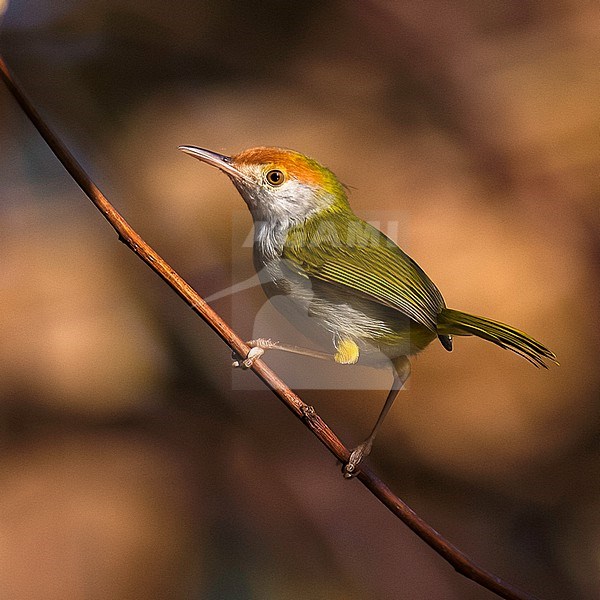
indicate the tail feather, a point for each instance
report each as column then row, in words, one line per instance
column 455, row 322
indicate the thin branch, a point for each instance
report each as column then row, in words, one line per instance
column 460, row 561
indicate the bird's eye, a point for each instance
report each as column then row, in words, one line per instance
column 275, row 177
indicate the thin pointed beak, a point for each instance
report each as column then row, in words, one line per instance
column 214, row 159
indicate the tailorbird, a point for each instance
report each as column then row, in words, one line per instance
column 347, row 276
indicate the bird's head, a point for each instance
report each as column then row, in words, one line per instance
column 278, row 184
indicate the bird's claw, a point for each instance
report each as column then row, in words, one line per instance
column 253, row 354
column 351, row 468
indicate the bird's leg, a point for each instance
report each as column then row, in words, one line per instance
column 258, row 347
column 401, row 374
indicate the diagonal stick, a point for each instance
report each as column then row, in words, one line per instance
column 460, row 561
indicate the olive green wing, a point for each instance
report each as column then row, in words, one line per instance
column 348, row 252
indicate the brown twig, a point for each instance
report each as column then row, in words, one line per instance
column 461, row 563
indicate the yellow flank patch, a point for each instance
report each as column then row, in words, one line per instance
column 347, row 352
column 295, row 164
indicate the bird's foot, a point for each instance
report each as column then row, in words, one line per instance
column 254, row 353
column 358, row 454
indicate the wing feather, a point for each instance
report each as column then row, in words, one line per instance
column 343, row 250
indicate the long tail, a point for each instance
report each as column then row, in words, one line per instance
column 455, row 322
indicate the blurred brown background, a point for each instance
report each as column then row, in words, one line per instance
column 130, row 467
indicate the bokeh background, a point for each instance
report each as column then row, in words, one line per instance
column 131, row 463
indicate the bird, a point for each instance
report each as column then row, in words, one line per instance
column 352, row 281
